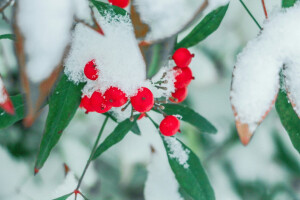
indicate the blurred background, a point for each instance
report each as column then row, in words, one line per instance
column 268, row 168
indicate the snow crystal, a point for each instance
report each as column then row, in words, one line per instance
column 256, row 75
column 46, row 26
column 161, row 183
column 166, row 17
column 178, row 116
column 3, row 95
column 168, row 75
column 177, row 151
column 116, row 55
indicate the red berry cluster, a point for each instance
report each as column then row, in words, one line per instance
column 183, row 74
column 142, row 102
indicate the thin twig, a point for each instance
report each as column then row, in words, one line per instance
column 5, row 5
column 264, row 7
column 248, row 11
column 92, row 153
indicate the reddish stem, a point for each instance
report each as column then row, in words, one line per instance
column 264, row 7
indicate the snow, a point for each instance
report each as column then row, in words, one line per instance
column 11, row 167
column 46, row 27
column 3, row 94
column 118, row 59
column 168, row 75
column 166, row 17
column 67, row 187
column 177, row 151
column 214, row 4
column 116, row 55
column 161, row 183
column 256, row 75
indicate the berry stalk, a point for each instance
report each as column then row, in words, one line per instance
column 92, row 153
column 248, row 11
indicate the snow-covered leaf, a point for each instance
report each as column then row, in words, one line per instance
column 188, row 115
column 63, row 104
column 188, row 170
column 207, row 26
column 116, row 54
column 6, row 119
column 168, row 17
column 255, row 82
column 46, row 27
column 115, row 137
column 8, row 36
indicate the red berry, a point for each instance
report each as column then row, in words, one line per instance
column 86, row 104
column 183, row 77
column 143, row 101
column 90, row 70
column 182, row 57
column 180, row 94
column 99, row 103
column 119, row 3
column 169, row 125
column 115, row 97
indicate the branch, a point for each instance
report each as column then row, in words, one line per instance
column 264, row 7
column 5, row 5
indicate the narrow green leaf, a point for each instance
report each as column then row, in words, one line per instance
column 8, row 36
column 289, row 119
column 103, row 8
column 6, row 119
column 207, row 26
column 288, row 3
column 64, row 197
column 116, row 136
column 63, row 104
column 135, row 129
column 190, row 175
column 190, row 116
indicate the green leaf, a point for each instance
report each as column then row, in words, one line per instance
column 63, row 104
column 103, row 8
column 207, row 26
column 289, row 119
column 190, row 116
column 192, row 179
column 135, row 129
column 8, row 36
column 63, row 197
column 6, row 119
column 116, row 136
column 288, row 3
